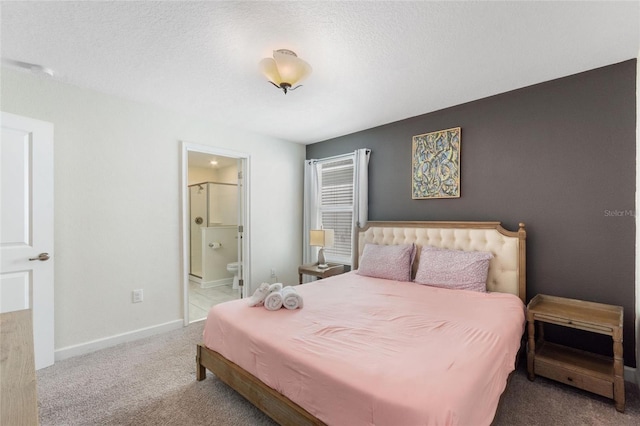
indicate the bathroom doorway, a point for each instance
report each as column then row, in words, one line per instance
column 215, row 236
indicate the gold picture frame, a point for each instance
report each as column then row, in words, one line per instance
column 435, row 165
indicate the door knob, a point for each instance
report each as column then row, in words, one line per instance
column 42, row 257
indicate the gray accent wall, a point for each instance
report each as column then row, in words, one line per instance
column 558, row 156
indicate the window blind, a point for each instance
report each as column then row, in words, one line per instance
column 336, row 207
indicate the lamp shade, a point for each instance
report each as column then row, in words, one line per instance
column 321, row 237
column 285, row 68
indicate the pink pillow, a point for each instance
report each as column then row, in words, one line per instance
column 455, row 269
column 388, row 262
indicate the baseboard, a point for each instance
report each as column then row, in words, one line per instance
column 630, row 375
column 94, row 345
column 216, row 283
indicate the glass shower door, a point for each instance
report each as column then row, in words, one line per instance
column 198, row 219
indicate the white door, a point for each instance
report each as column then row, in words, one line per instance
column 26, row 235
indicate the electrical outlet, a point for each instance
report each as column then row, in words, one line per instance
column 273, row 272
column 137, row 296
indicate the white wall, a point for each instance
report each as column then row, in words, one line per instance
column 223, row 204
column 207, row 174
column 117, row 205
column 216, row 259
column 201, row 174
column 228, row 174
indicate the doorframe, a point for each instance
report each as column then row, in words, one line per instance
column 41, row 238
column 244, row 270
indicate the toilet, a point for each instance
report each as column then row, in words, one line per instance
column 233, row 268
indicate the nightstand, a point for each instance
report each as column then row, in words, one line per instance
column 312, row 269
column 599, row 374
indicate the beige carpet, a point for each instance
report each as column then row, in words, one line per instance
column 152, row 382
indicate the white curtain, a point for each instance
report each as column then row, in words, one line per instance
column 312, row 186
column 360, row 195
column 311, row 219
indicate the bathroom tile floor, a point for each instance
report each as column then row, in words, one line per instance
column 201, row 299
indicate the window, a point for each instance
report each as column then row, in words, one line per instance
column 337, row 206
column 335, row 197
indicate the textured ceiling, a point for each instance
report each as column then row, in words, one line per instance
column 373, row 62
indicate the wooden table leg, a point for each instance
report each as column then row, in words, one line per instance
column 540, row 331
column 618, row 371
column 531, row 352
column 201, row 371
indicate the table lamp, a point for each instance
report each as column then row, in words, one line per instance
column 321, row 238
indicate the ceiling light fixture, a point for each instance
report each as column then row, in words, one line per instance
column 213, row 162
column 285, row 69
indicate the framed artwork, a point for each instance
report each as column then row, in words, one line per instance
column 435, row 165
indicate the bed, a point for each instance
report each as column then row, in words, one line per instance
column 379, row 351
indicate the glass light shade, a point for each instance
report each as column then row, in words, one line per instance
column 321, row 237
column 270, row 70
column 285, row 67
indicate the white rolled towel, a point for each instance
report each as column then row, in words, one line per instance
column 273, row 301
column 259, row 295
column 291, row 299
column 275, row 287
column 262, row 292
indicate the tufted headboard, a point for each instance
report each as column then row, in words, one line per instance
column 507, row 269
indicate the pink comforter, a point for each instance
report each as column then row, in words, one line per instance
column 367, row 351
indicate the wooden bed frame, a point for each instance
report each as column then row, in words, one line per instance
column 474, row 236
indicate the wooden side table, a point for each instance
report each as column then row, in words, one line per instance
column 312, row 269
column 595, row 373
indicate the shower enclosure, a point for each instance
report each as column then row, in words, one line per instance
column 213, row 211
